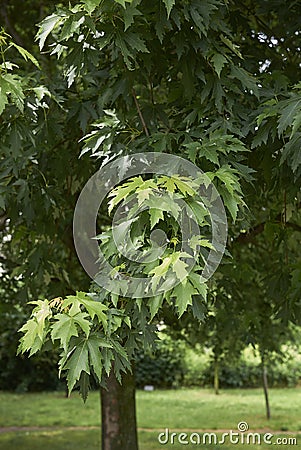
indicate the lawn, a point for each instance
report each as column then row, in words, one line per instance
column 193, row 410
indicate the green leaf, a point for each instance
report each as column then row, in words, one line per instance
column 169, row 5
column 41, row 313
column 127, row 321
column 41, row 92
column 31, row 330
column 161, row 26
column 128, row 42
column 229, row 178
column 231, row 203
column 90, row 5
column 26, row 55
column 198, row 284
column 296, row 124
column 166, row 204
column 46, row 27
column 129, row 16
column 80, row 319
column 199, row 241
column 72, row 25
column 203, row 151
column 183, row 296
column 143, row 195
column 218, row 61
column 107, row 360
column 200, row 211
column 198, row 308
column 36, row 346
column 11, row 85
column 119, row 349
column 63, row 329
column 234, row 48
column 247, row 80
column 167, row 182
column 291, row 152
column 94, row 308
column 154, row 304
column 162, row 268
column 84, row 386
column 36, row 328
column 288, row 114
column 121, row 192
column 76, row 363
column 185, row 185
column 179, row 266
column 120, row 2
column 3, row 98
column 114, row 298
column 94, row 344
column 136, row 42
column 155, row 216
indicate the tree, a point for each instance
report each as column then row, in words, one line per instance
column 226, row 175
column 204, row 80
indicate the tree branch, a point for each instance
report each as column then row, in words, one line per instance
column 246, row 238
column 10, row 28
column 3, row 219
column 140, row 113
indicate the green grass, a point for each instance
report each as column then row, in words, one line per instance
column 202, row 409
column 177, row 410
column 90, row 440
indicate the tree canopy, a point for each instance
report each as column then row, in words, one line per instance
column 215, row 82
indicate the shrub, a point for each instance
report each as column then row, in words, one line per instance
column 247, row 373
column 164, row 368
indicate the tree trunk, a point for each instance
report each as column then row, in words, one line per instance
column 216, row 376
column 265, row 387
column 118, row 414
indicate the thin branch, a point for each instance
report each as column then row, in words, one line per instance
column 140, row 113
column 3, row 219
column 266, row 28
column 293, row 226
column 152, row 92
column 246, row 238
column 10, row 28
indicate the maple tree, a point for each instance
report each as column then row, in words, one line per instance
column 215, row 82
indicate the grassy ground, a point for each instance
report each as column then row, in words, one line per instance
column 181, row 410
column 90, row 440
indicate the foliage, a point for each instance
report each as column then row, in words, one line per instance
column 87, row 346
column 171, row 267
column 164, row 368
column 214, row 81
column 21, row 374
column 248, row 374
column 92, row 41
column 242, row 370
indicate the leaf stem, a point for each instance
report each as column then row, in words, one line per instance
column 140, row 113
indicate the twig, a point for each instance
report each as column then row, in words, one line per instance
column 245, row 238
column 10, row 28
column 140, row 113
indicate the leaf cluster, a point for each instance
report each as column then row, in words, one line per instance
column 82, row 328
